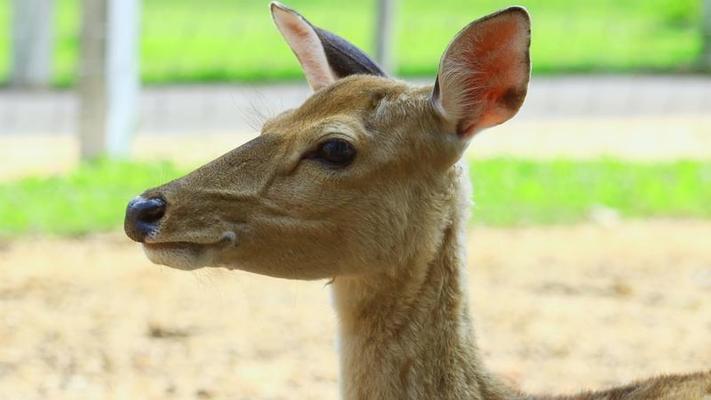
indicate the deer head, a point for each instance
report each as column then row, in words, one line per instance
column 359, row 178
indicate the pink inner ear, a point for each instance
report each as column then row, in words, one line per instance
column 307, row 47
column 487, row 68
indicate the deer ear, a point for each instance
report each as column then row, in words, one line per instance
column 324, row 56
column 483, row 75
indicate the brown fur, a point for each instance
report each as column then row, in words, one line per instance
column 388, row 230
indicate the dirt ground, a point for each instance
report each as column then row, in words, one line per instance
column 556, row 309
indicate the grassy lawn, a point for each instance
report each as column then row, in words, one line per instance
column 220, row 40
column 507, row 192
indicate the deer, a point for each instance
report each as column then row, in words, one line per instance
column 363, row 185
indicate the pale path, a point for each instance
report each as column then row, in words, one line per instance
column 646, row 118
column 230, row 108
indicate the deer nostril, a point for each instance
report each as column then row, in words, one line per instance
column 151, row 210
column 142, row 215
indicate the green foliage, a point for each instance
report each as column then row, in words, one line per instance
column 219, row 40
column 507, row 192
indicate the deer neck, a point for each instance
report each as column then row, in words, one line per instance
column 410, row 336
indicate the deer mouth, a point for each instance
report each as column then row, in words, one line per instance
column 187, row 255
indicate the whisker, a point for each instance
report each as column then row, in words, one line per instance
column 254, row 114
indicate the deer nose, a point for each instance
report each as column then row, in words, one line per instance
column 142, row 216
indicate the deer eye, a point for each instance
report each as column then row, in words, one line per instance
column 335, row 152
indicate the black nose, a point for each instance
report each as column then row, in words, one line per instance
column 142, row 216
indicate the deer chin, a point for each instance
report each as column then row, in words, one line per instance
column 186, row 255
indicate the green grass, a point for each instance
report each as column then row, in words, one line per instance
column 92, row 198
column 512, row 192
column 223, row 40
column 507, row 192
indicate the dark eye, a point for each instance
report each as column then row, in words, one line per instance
column 336, row 152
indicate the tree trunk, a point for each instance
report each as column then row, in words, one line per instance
column 32, row 43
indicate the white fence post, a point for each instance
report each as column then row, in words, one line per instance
column 109, row 77
column 385, row 35
column 32, row 43
column 706, row 31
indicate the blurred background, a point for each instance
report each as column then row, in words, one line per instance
column 591, row 231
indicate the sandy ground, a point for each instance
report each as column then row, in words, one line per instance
column 556, row 309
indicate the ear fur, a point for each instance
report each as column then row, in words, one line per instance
column 483, row 75
column 324, row 56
